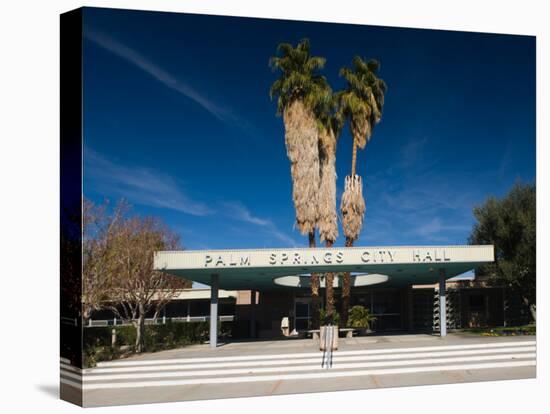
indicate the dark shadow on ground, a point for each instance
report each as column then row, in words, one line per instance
column 51, row 390
column 372, row 334
column 401, row 333
column 276, row 338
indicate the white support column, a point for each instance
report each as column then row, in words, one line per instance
column 442, row 305
column 214, row 311
column 253, row 314
column 410, row 308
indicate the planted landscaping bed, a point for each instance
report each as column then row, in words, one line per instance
column 503, row 330
column 98, row 346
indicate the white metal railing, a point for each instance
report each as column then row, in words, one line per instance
column 157, row 321
column 326, row 361
column 69, row 321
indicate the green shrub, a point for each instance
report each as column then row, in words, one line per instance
column 97, row 339
column 326, row 319
column 360, row 317
column 96, row 336
column 93, row 355
column 125, row 335
column 503, row 330
column 101, row 335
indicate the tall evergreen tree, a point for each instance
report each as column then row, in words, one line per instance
column 509, row 224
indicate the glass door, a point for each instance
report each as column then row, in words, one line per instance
column 301, row 313
column 386, row 307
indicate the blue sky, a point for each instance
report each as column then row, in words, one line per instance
column 178, row 120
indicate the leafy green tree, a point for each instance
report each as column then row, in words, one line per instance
column 509, row 224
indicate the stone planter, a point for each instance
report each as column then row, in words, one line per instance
column 322, row 338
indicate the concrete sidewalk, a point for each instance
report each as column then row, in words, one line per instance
column 264, row 368
column 291, row 345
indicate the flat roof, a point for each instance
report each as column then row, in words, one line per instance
column 258, row 268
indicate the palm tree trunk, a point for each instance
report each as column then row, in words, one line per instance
column 346, row 291
column 314, row 289
column 302, row 144
column 346, row 282
column 329, row 289
column 353, row 158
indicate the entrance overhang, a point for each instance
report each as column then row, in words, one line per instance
column 303, row 281
column 259, row 269
column 263, row 269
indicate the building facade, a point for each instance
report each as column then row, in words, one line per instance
column 257, row 314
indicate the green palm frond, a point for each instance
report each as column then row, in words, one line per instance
column 328, row 114
column 373, row 65
column 362, row 100
column 299, row 77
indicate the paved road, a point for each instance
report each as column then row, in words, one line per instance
column 282, row 367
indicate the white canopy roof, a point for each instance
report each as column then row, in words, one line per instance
column 258, row 268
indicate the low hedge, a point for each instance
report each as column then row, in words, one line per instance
column 504, row 331
column 97, row 339
column 101, row 335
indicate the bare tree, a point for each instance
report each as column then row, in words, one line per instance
column 99, row 229
column 137, row 289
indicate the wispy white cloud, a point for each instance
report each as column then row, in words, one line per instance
column 238, row 211
column 138, row 185
column 436, row 227
column 413, row 152
column 429, row 200
column 506, row 159
column 136, row 58
column 411, row 200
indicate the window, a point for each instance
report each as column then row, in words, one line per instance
column 477, row 302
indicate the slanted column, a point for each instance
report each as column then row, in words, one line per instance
column 253, row 314
column 214, row 279
column 442, row 305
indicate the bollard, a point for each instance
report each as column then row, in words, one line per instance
column 113, row 337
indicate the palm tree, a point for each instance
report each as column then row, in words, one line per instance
column 299, row 90
column 330, row 125
column 361, row 104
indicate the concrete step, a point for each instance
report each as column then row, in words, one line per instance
column 301, row 366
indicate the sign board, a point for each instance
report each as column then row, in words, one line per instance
column 323, row 257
